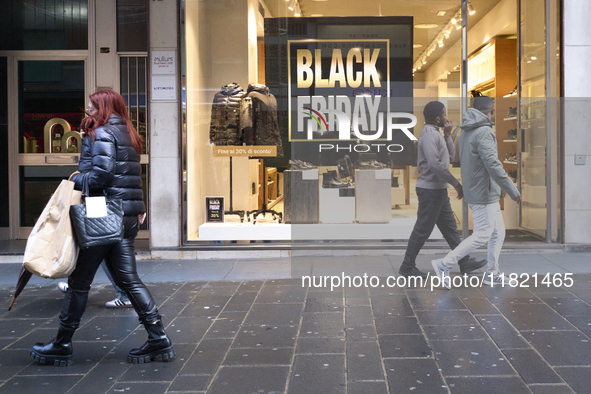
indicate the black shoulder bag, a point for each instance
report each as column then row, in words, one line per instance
column 96, row 231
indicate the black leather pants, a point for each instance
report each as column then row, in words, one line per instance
column 120, row 259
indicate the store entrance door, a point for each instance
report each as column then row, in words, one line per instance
column 46, row 106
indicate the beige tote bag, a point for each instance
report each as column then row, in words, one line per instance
column 51, row 250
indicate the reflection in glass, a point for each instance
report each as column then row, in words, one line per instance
column 44, row 25
column 132, row 25
column 51, row 106
column 532, row 119
column 37, row 183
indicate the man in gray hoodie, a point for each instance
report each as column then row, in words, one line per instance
column 484, row 177
column 434, row 153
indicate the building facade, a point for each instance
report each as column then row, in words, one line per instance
column 274, row 123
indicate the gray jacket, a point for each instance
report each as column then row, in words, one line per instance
column 434, row 154
column 483, row 175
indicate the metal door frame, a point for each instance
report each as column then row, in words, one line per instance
column 15, row 158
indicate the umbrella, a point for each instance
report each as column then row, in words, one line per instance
column 23, row 279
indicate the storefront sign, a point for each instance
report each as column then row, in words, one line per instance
column 163, row 62
column 245, row 151
column 214, row 208
column 164, row 88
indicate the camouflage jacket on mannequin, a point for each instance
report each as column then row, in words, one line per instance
column 230, row 114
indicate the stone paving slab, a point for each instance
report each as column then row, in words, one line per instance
column 275, row 336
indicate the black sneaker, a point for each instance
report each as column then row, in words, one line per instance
column 472, row 265
column 414, row 271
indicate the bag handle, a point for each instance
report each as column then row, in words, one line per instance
column 74, row 173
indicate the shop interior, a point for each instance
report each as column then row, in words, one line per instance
column 225, row 58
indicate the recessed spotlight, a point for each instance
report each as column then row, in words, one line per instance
column 441, row 13
column 426, row 25
column 414, row 45
column 471, row 9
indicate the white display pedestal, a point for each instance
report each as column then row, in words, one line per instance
column 244, row 231
column 511, row 214
column 373, row 195
column 398, row 196
column 337, row 205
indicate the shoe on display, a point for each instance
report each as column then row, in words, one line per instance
column 512, row 112
column 512, row 134
column 395, row 181
column 413, row 271
column 471, row 265
column 442, row 271
column 298, row 165
column 119, row 302
column 331, row 180
column 496, row 280
column 63, row 286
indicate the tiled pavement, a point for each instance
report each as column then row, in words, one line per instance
column 257, row 334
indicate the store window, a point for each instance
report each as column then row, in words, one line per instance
column 300, row 121
column 132, row 25
column 35, row 25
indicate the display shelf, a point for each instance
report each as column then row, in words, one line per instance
column 509, row 140
column 510, row 162
column 511, row 118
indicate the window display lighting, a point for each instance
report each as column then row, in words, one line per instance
column 444, row 34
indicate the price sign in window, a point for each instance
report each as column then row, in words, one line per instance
column 214, row 206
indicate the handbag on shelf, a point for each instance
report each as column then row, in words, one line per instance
column 97, row 220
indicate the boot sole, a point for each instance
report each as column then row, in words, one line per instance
column 163, row 355
column 58, row 361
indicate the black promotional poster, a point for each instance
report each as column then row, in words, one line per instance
column 344, row 87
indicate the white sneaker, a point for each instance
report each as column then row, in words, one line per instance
column 63, row 286
column 118, row 303
column 442, row 271
column 497, row 280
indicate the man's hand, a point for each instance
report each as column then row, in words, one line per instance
column 447, row 128
column 141, row 218
column 517, row 199
column 460, row 191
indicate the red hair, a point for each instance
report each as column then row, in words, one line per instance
column 108, row 102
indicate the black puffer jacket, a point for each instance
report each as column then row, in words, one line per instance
column 111, row 163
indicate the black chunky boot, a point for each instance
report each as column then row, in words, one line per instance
column 57, row 352
column 158, row 347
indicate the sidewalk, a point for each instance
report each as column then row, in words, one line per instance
column 248, row 326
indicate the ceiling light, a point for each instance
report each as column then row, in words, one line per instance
column 426, row 25
column 419, row 67
column 424, row 61
column 534, row 58
column 414, row 45
column 441, row 13
column 471, row 10
column 454, row 20
column 291, row 5
column 298, row 10
column 316, row 15
column 440, row 44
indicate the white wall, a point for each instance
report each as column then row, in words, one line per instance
column 164, row 213
column 221, row 48
column 577, row 79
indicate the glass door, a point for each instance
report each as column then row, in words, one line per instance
column 49, row 106
column 532, row 119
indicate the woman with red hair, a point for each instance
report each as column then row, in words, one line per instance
column 110, row 163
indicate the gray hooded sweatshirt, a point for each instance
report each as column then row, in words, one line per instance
column 483, row 175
